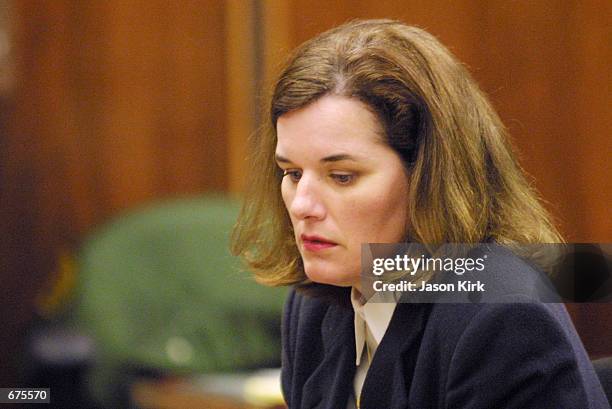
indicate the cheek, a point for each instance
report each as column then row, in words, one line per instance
column 379, row 217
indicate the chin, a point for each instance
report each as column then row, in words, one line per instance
column 330, row 276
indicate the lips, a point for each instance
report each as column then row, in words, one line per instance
column 316, row 243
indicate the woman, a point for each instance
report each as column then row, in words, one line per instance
column 378, row 135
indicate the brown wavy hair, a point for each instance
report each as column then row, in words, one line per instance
column 465, row 184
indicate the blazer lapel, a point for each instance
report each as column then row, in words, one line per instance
column 390, row 375
column 330, row 384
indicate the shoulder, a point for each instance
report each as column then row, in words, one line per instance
column 507, row 274
column 515, row 319
column 310, row 327
column 514, row 352
column 518, row 353
column 514, row 313
column 309, row 310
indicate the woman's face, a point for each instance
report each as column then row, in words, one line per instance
column 343, row 186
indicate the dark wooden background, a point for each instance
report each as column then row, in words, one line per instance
column 117, row 103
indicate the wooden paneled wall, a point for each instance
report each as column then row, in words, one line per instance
column 117, row 103
column 125, row 102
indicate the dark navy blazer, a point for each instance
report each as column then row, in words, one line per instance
column 499, row 355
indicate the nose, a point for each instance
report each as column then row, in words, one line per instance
column 307, row 202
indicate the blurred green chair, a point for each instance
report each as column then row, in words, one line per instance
column 159, row 290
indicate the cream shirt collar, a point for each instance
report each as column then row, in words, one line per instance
column 371, row 318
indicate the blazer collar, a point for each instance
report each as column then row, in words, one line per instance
column 390, row 374
column 329, row 385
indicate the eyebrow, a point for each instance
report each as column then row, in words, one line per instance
column 332, row 158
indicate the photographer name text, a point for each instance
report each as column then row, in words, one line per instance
column 407, row 286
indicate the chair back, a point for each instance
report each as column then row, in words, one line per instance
column 158, row 289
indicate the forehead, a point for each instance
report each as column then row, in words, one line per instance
column 330, row 122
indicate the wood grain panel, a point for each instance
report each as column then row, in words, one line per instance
column 591, row 110
column 242, row 74
column 130, row 102
column 115, row 104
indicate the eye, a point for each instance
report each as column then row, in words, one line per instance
column 343, row 178
column 294, row 175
